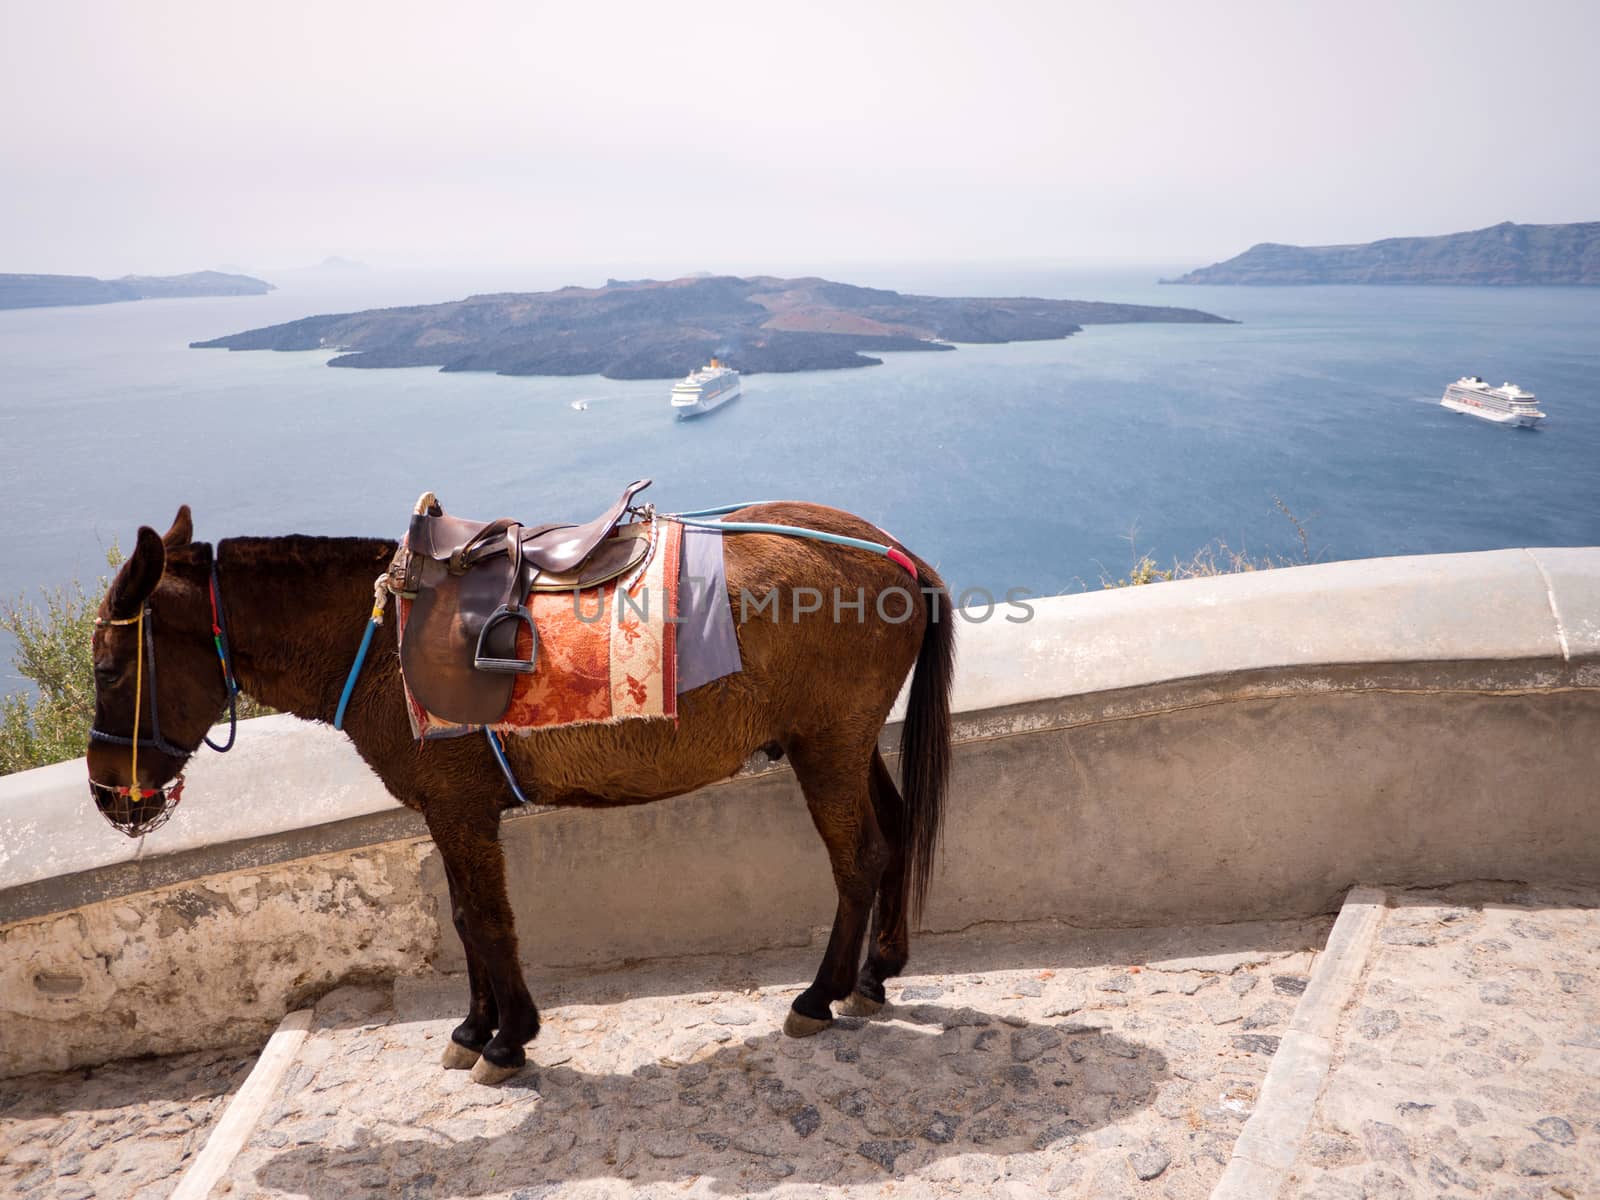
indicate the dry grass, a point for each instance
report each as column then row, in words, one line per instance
column 1216, row 557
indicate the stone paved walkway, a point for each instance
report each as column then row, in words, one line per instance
column 1103, row 1065
column 1469, row 1062
column 122, row 1130
column 1017, row 1062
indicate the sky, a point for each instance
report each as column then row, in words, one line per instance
column 168, row 136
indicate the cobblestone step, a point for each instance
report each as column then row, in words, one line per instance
column 124, row 1130
column 1465, row 1057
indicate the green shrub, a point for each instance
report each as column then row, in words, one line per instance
column 53, row 652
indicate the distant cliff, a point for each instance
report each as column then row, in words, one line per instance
column 1501, row 254
column 649, row 329
column 47, row 291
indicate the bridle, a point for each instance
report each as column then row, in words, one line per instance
column 120, row 801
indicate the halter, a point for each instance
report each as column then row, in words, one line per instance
column 123, row 799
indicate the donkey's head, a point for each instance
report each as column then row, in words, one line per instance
column 157, row 682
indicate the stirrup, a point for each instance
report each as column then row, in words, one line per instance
column 516, row 666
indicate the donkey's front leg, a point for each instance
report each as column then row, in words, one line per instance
column 468, row 1039
column 467, row 836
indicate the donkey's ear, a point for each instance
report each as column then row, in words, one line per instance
column 182, row 531
column 138, row 576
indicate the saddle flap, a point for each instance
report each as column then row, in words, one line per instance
column 441, row 643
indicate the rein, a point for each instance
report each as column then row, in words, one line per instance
column 123, row 799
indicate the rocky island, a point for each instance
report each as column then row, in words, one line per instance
column 1502, row 254
column 49, row 291
column 653, row 329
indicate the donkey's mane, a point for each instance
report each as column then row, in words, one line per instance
column 303, row 551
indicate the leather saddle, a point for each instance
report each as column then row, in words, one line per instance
column 469, row 583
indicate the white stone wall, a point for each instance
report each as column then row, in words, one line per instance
column 215, row 962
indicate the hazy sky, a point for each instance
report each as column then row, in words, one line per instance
column 159, row 137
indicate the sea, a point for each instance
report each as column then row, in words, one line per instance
column 1047, row 466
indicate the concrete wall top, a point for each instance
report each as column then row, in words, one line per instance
column 1540, row 606
column 282, row 774
column 1497, row 605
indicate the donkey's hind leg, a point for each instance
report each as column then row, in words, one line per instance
column 889, row 944
column 838, row 793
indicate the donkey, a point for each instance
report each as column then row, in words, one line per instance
column 812, row 688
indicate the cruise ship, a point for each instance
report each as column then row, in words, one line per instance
column 1505, row 405
column 709, row 387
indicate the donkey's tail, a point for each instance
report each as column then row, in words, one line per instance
column 925, row 741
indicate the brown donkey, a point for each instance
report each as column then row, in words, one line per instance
column 816, row 686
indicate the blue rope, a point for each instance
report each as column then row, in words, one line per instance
column 500, row 757
column 837, row 539
column 355, row 674
column 714, row 512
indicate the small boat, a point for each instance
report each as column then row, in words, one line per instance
column 703, row 390
column 1504, row 405
column 580, row 406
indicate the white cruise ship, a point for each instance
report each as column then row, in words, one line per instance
column 705, row 389
column 1505, row 405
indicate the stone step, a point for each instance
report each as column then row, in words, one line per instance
column 1448, row 1045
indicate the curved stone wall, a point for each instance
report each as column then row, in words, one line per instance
column 1212, row 750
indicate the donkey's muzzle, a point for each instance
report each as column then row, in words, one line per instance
column 136, row 811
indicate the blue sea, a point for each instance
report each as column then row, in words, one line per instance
column 1043, row 465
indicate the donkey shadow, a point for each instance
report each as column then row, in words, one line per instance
column 860, row 1103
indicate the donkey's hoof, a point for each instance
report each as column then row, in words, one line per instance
column 458, row 1058
column 798, row 1025
column 486, row 1073
column 857, row 1005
